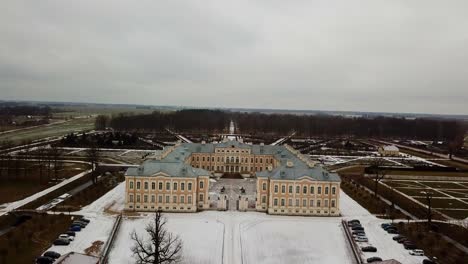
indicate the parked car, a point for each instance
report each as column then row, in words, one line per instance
column 65, row 236
column 385, row 225
column 71, row 233
column 44, row 260
column 85, row 220
column 52, row 254
column 82, row 221
column 361, row 239
column 357, row 228
column 393, row 231
column 353, row 221
column 369, row 249
column 402, row 240
column 75, row 228
column 417, row 252
column 373, row 259
column 386, row 228
column 359, row 234
column 396, row 238
column 61, row 242
column 409, row 246
column 428, row 261
column 78, row 223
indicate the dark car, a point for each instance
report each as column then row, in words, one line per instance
column 428, row 261
column 396, row 238
column 410, row 246
column 386, row 228
column 61, row 242
column 369, row 249
column 85, row 220
column 75, row 228
column 385, row 225
column 81, row 224
column 353, row 221
column 354, row 228
column 44, row 260
column 403, row 240
column 373, row 259
column 52, row 254
column 70, row 233
column 393, row 231
column 359, row 233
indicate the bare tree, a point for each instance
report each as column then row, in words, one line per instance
column 56, row 154
column 378, row 172
column 162, row 247
column 92, row 155
column 428, row 195
column 40, row 161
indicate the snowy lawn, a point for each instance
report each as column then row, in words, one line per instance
column 235, row 237
column 202, row 238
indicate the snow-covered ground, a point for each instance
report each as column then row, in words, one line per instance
column 241, row 237
column 202, row 238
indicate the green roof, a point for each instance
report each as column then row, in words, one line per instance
column 174, row 163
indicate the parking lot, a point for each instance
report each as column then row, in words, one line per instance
column 448, row 197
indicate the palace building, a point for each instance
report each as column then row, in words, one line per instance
column 177, row 179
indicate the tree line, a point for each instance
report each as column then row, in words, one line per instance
column 201, row 120
column 196, row 120
column 23, row 110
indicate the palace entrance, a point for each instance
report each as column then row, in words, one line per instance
column 232, row 190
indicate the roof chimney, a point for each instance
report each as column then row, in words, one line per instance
column 289, row 164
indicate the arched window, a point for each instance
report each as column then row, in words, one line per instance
column 304, row 189
column 264, row 186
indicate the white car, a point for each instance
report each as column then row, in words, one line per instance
column 417, row 252
column 67, row 237
column 361, row 239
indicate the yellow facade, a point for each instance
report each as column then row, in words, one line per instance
column 304, row 196
column 166, row 193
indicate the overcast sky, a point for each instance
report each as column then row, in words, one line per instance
column 359, row 55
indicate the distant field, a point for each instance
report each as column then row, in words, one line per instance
column 54, row 130
column 74, row 111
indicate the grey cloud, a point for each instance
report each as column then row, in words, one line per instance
column 367, row 55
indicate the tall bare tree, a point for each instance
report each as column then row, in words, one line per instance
column 92, row 155
column 162, row 247
column 428, row 195
column 378, row 172
column 56, row 154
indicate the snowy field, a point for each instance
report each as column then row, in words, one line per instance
column 236, row 237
